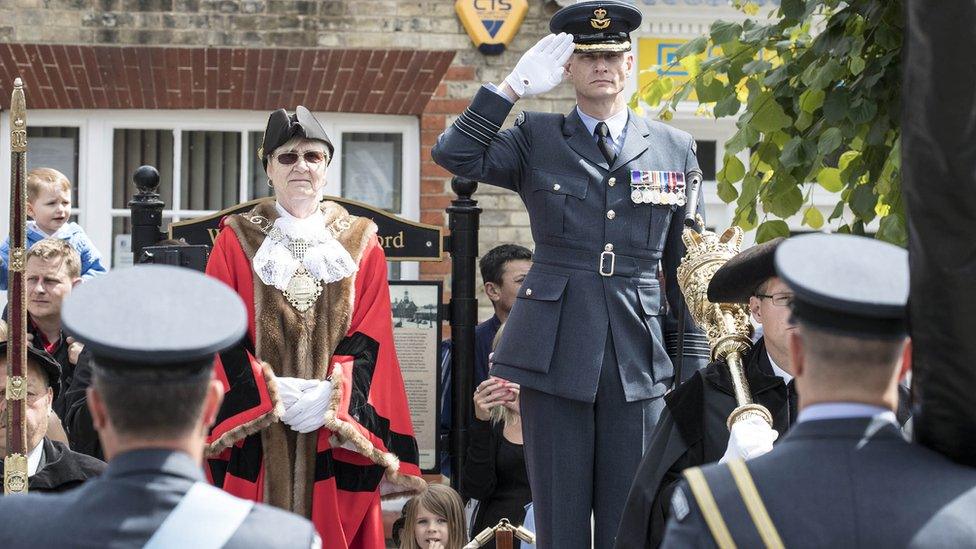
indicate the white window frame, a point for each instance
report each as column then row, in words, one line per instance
column 95, row 141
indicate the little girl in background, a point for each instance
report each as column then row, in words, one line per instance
column 434, row 519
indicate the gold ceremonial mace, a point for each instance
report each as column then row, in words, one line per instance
column 726, row 324
column 15, row 462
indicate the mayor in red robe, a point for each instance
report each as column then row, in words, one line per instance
column 315, row 418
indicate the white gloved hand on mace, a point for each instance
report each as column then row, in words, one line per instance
column 308, row 412
column 749, row 438
column 541, row 68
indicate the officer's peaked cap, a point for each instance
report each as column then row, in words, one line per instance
column 848, row 285
column 48, row 364
column 598, row 25
column 154, row 319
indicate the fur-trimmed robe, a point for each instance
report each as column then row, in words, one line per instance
column 347, row 335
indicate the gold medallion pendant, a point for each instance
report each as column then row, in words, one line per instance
column 303, row 290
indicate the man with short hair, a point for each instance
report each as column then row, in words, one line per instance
column 51, row 272
column 593, row 339
column 153, row 399
column 503, row 269
column 843, row 476
column 51, row 466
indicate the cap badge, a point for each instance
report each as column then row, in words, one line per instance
column 600, row 20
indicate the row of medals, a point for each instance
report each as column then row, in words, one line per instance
column 649, row 193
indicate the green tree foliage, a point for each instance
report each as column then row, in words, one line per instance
column 816, row 90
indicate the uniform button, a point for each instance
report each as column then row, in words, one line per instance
column 608, row 248
column 612, row 181
column 528, row 291
column 611, row 214
column 556, row 187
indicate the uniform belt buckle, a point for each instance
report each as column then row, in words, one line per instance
column 603, row 260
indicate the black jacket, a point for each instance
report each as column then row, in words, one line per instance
column 61, row 469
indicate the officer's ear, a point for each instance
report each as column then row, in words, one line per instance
column 796, row 353
column 211, row 403
column 629, row 60
column 97, row 409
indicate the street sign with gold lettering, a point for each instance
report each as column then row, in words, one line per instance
column 491, row 24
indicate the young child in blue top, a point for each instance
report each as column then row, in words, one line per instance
column 49, row 206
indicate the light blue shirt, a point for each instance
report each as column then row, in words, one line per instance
column 617, row 124
column 845, row 410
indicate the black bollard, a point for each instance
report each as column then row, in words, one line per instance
column 463, row 215
column 147, row 211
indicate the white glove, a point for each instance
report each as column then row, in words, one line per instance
column 749, row 438
column 308, row 414
column 290, row 389
column 541, row 68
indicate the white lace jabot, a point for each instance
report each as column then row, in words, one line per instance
column 326, row 259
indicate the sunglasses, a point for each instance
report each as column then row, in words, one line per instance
column 311, row 157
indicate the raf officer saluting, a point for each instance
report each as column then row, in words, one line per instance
column 843, row 476
column 589, row 335
column 152, row 401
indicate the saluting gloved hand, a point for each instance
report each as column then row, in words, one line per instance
column 541, row 68
column 308, row 413
column 749, row 438
column 290, row 389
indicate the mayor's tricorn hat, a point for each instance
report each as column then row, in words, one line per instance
column 283, row 126
column 738, row 279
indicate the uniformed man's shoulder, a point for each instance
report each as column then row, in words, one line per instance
column 535, row 119
column 25, row 521
column 268, row 526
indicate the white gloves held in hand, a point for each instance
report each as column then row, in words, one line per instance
column 749, row 438
column 305, row 402
column 541, row 68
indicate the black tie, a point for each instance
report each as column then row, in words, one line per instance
column 602, row 133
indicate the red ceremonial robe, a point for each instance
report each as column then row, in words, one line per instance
column 253, row 455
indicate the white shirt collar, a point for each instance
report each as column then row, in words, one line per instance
column 845, row 410
column 309, row 228
column 34, row 458
column 779, row 371
column 615, row 123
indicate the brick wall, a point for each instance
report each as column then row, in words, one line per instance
column 317, row 24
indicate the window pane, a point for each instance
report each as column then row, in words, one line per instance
column 210, row 170
column 55, row 148
column 372, row 166
column 259, row 178
column 122, row 247
column 706, row 159
column 134, row 148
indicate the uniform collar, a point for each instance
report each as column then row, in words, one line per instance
column 615, row 123
column 154, row 461
column 845, row 410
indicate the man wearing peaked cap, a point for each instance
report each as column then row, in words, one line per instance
column 152, row 400
column 843, row 476
column 606, row 192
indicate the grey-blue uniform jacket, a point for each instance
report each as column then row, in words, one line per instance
column 583, row 220
column 127, row 504
column 851, row 482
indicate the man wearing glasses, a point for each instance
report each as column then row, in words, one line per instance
column 692, row 429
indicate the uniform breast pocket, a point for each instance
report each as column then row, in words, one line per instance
column 533, row 326
column 559, row 197
column 650, row 227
